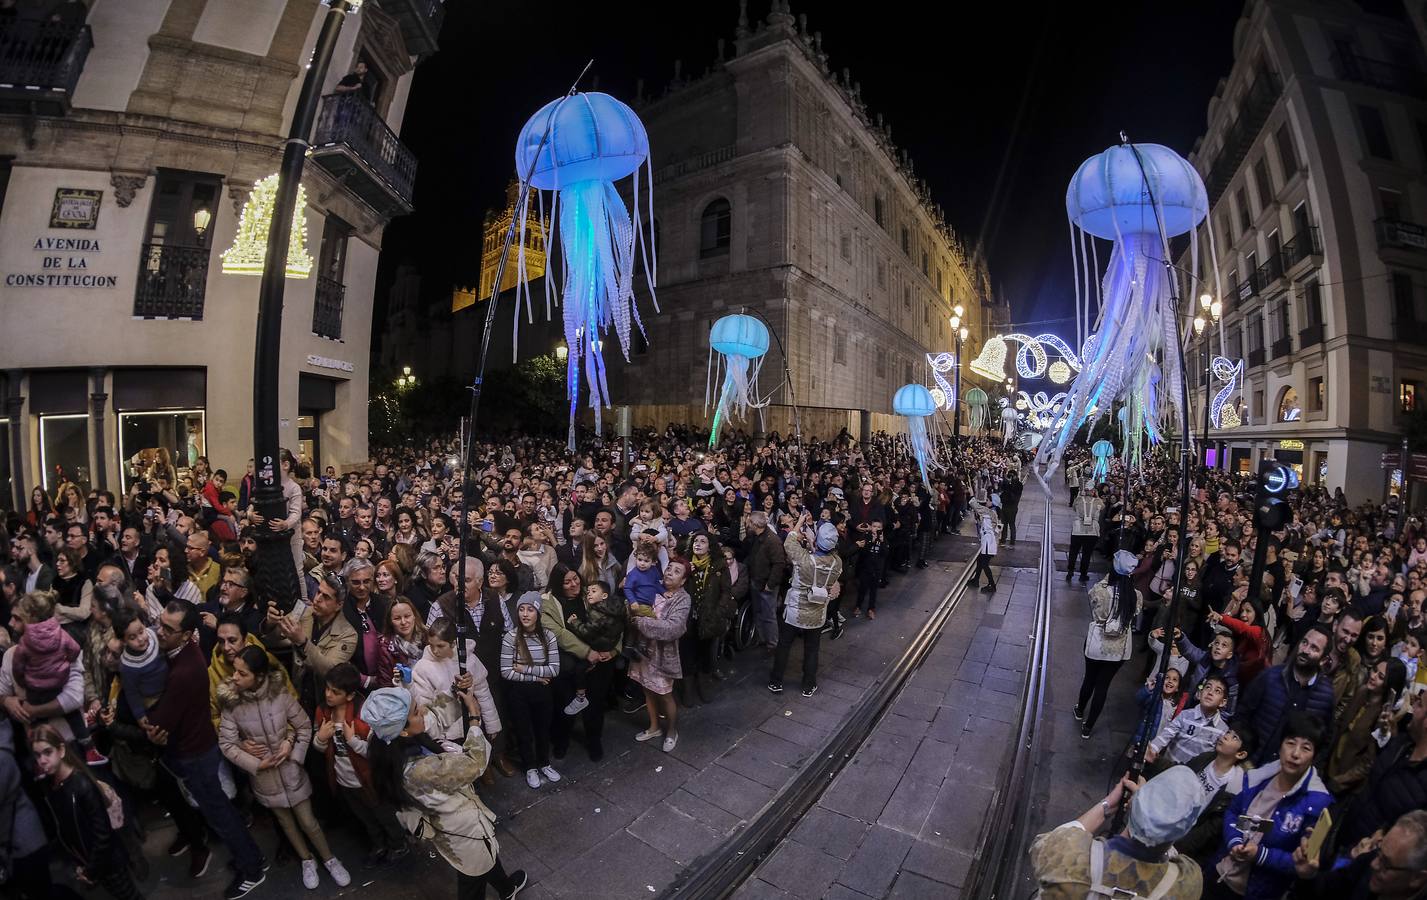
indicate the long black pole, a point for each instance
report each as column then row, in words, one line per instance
column 517, row 216
column 276, row 575
column 1208, row 386
column 956, row 389
column 1137, row 758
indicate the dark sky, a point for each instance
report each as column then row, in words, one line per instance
column 951, row 87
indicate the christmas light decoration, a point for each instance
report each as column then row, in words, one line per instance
column 250, row 245
column 991, row 361
column 1059, row 372
column 938, row 397
column 1231, row 372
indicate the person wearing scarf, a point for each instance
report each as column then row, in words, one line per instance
column 431, row 785
column 711, row 609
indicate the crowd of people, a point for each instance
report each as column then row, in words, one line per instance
column 1286, row 740
column 140, row 672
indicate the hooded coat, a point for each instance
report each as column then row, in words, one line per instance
column 448, row 812
column 271, row 715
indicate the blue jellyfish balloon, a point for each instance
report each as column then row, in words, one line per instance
column 578, row 146
column 740, row 342
column 915, row 402
column 1102, row 450
column 1135, row 351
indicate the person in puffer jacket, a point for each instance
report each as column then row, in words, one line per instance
column 1276, row 806
column 435, row 683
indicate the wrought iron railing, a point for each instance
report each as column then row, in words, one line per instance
column 42, row 60
column 1379, row 74
column 1258, row 101
column 1246, row 288
column 172, row 282
column 1301, row 246
column 1269, row 272
column 1281, row 348
column 1400, row 234
column 351, row 120
column 327, row 308
column 1255, row 357
column 1310, row 336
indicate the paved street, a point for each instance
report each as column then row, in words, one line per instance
column 629, row 825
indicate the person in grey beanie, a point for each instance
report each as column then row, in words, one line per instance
column 815, row 582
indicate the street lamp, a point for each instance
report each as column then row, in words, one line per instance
column 959, row 334
column 201, row 218
column 562, row 352
column 1211, row 309
column 275, row 577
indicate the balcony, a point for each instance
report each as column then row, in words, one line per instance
column 1280, row 348
column 363, row 153
column 171, row 283
column 1245, row 289
column 1257, row 103
column 420, row 22
column 1395, row 234
column 1310, row 336
column 327, row 308
column 40, row 64
column 1306, row 246
column 1255, row 358
column 1269, row 273
column 1379, row 74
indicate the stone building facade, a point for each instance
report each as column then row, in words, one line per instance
column 131, row 135
column 776, row 192
column 1314, row 159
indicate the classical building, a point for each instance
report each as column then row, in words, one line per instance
column 131, row 135
column 777, row 192
column 1314, row 160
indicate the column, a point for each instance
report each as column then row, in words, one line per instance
column 98, row 411
column 864, row 425
column 19, row 435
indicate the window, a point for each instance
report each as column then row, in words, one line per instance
column 1226, row 230
column 879, row 213
column 64, row 450
column 881, row 273
column 1278, row 321
column 845, row 245
column 1255, row 329
column 1287, row 155
column 1374, row 132
column 1317, row 394
column 330, row 289
column 715, row 229
column 1404, row 304
column 938, row 283
column 5, row 165
column 1288, row 408
column 881, row 365
column 906, row 242
column 926, row 270
column 907, row 372
column 1258, row 411
column 1407, row 396
column 839, row 348
column 1261, row 180
column 838, row 178
column 926, row 314
column 180, row 432
column 173, row 262
column 1241, row 197
column 906, row 296
column 1312, row 303
column 1389, row 203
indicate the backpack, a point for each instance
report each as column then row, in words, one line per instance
column 1099, row 889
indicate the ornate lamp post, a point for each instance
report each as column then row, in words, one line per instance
column 959, row 334
column 1210, row 310
column 275, row 574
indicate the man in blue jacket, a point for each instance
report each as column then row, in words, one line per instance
column 1296, row 686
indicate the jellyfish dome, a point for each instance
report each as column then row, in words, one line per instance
column 577, row 147
column 740, row 343
column 593, row 137
column 978, row 403
column 1109, row 197
column 913, row 400
column 1102, row 450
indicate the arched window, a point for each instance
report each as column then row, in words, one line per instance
column 715, row 229
column 1288, row 408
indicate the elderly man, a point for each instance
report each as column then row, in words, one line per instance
column 365, row 611
column 234, row 598
column 321, row 638
column 202, row 570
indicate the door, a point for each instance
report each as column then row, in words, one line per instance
column 309, row 438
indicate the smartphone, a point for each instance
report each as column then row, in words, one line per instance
column 487, row 525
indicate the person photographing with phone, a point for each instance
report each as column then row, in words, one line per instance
column 815, row 582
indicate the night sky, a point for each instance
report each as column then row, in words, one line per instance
column 951, row 88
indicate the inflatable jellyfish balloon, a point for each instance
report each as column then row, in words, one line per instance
column 577, row 147
column 977, row 402
column 1102, row 450
column 915, row 402
column 740, row 342
column 1137, row 196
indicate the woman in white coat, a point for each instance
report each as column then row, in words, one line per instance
column 430, row 785
column 986, row 528
column 1114, row 604
column 435, row 682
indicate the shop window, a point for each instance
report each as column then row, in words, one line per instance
column 1288, row 408
column 1375, row 138
column 64, row 451
column 1407, row 396
column 1317, row 394
column 173, row 261
column 715, row 229
column 160, row 442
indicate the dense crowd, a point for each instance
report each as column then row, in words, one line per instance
column 1286, row 741
column 139, row 671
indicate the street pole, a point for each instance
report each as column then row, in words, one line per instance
column 1208, row 386
column 275, row 574
column 956, row 405
column 1402, row 491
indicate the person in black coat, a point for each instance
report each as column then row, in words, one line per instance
column 1011, row 489
column 1397, row 782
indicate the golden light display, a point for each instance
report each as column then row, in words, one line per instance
column 1059, row 371
column 250, row 245
column 991, row 361
column 938, row 397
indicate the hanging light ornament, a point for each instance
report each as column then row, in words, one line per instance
column 740, row 342
column 1059, row 372
column 991, row 361
column 980, row 406
column 250, row 244
column 915, row 402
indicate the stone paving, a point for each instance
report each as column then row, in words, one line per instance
column 629, row 825
column 904, row 818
